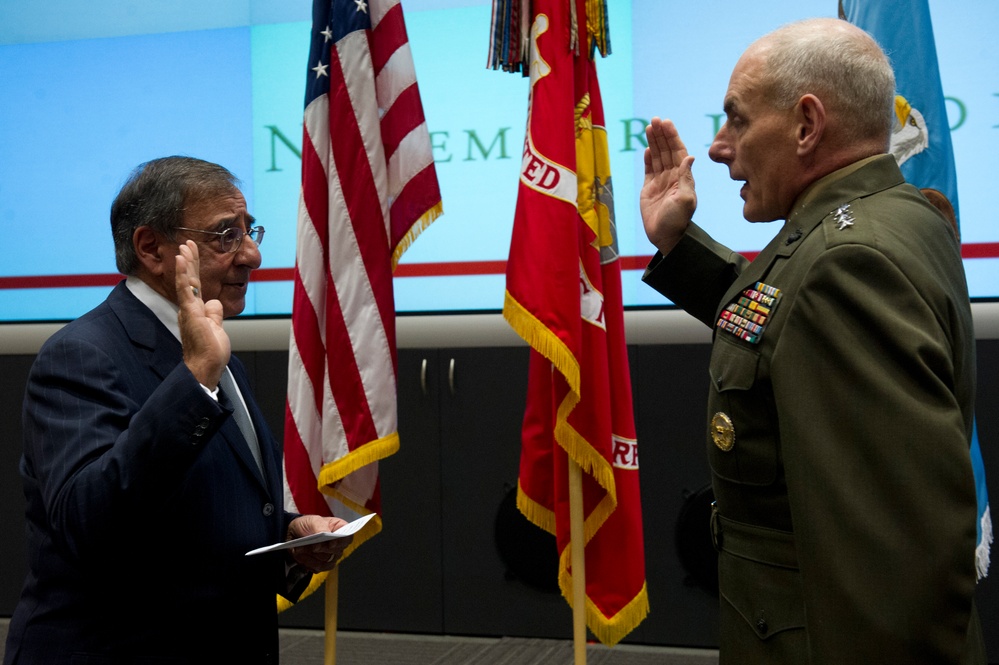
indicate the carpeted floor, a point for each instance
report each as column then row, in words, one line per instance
column 307, row 647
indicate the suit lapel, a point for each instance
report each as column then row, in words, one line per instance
column 158, row 347
column 161, row 352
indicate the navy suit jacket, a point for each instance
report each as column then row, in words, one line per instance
column 142, row 500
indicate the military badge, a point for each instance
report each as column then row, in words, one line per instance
column 722, row 431
column 747, row 317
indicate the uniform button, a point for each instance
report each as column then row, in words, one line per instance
column 268, row 509
column 761, row 626
column 199, row 430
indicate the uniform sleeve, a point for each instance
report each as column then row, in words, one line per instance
column 878, row 471
column 696, row 274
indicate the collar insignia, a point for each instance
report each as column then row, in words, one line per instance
column 843, row 217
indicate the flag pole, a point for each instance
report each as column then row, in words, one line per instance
column 332, row 579
column 578, row 545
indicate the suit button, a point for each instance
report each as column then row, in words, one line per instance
column 268, row 509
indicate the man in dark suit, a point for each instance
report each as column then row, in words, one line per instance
column 143, row 491
column 842, row 367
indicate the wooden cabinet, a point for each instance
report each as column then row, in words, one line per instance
column 671, row 390
column 443, row 563
column 481, row 415
column 13, row 545
column 454, row 554
column 436, row 566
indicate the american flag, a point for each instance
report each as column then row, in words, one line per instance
column 369, row 187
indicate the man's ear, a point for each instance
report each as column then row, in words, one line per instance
column 151, row 250
column 811, row 118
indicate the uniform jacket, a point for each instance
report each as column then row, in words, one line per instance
column 142, row 500
column 839, row 421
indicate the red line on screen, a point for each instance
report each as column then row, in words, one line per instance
column 58, row 281
column 980, row 250
column 272, row 275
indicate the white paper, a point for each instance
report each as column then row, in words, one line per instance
column 348, row 529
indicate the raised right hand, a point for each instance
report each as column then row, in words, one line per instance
column 206, row 344
column 668, row 199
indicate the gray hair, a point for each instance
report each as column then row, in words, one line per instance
column 839, row 63
column 156, row 194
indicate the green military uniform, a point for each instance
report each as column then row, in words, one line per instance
column 839, row 420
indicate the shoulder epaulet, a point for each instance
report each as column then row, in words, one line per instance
column 847, row 224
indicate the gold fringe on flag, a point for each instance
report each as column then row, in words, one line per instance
column 331, row 472
column 414, row 231
column 541, row 339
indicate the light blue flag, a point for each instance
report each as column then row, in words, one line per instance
column 921, row 144
column 921, row 138
column 984, row 516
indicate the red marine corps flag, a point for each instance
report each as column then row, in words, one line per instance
column 369, row 187
column 564, row 298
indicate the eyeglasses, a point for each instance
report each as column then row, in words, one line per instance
column 232, row 237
